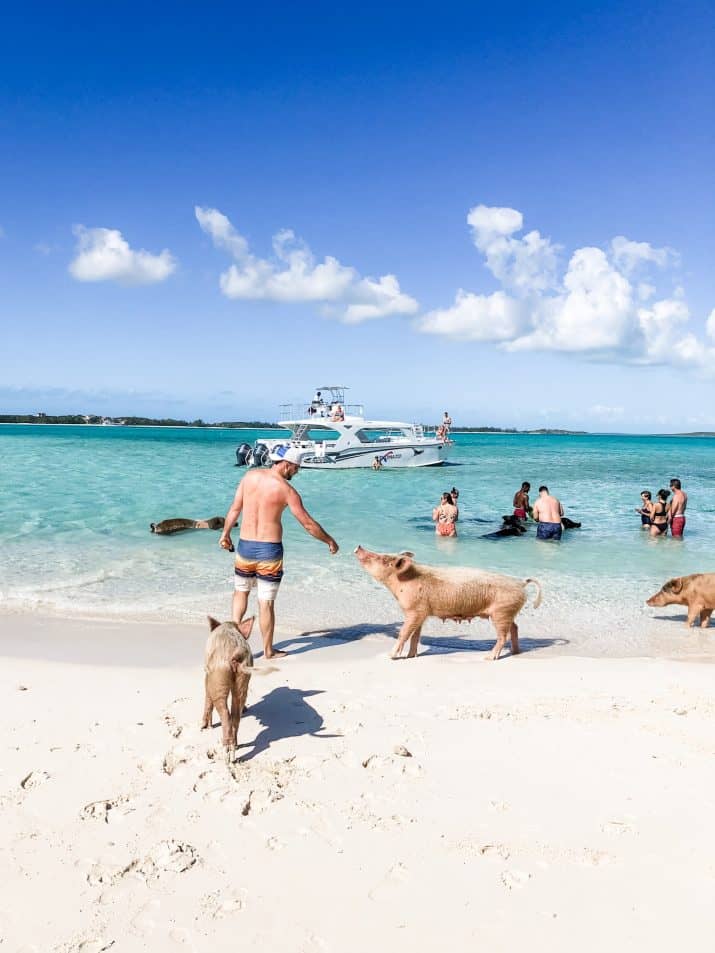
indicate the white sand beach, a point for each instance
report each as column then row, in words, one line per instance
column 535, row 803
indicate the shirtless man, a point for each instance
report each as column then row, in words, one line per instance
column 678, row 506
column 261, row 498
column 548, row 511
column 521, row 501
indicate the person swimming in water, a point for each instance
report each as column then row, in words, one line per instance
column 644, row 510
column 659, row 514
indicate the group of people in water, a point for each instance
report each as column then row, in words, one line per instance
column 667, row 511
column 659, row 514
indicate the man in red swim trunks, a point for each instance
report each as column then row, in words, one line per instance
column 521, row 502
column 678, row 505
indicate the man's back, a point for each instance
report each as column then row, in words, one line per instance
column 265, row 495
column 548, row 509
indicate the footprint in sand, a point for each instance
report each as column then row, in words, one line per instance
column 495, row 851
column 176, row 757
column 94, row 946
column 34, row 779
column 617, row 827
column 222, row 904
column 512, row 879
column 109, row 810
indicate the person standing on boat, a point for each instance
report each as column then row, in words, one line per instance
column 446, row 424
column 260, row 500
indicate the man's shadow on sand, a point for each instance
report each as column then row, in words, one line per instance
column 434, row 645
column 284, row 713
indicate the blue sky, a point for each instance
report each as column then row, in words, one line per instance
column 504, row 213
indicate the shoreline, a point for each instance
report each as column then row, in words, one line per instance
column 93, row 636
column 540, row 792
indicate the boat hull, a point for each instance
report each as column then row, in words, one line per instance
column 394, row 458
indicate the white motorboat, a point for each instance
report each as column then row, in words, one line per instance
column 334, row 435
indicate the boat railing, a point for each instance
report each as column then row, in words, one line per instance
column 322, row 412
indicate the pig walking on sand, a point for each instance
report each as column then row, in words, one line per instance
column 697, row 592
column 229, row 666
column 455, row 593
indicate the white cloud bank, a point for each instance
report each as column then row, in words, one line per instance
column 601, row 307
column 103, row 254
column 294, row 276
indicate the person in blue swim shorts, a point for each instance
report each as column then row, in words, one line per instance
column 548, row 512
column 261, row 498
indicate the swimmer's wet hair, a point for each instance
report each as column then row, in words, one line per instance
column 542, row 488
column 675, row 482
column 646, row 493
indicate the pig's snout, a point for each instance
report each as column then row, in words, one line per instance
column 657, row 600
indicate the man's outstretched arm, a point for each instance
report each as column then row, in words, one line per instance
column 295, row 505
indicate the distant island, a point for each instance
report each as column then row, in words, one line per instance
column 97, row 420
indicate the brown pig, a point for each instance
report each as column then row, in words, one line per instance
column 229, row 666
column 697, row 592
column 452, row 593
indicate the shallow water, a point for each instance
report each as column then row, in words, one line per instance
column 76, row 504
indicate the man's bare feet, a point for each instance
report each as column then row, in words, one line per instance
column 274, row 653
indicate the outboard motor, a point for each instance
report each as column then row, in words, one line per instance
column 261, row 455
column 242, row 454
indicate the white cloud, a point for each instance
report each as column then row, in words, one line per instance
column 494, row 317
column 593, row 313
column 104, row 255
column 595, row 309
column 523, row 265
column 628, row 255
column 710, row 325
column 293, row 275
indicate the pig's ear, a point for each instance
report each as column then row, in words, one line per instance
column 213, row 624
column 403, row 564
column 674, row 585
column 406, row 552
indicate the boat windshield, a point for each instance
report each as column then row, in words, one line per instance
column 315, row 432
column 382, row 434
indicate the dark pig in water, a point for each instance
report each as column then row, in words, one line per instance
column 697, row 592
column 177, row 525
column 452, row 593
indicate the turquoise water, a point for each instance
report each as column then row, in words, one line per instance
column 76, row 504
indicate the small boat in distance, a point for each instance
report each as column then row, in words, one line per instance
column 333, row 435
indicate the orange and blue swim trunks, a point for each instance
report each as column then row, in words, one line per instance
column 259, row 562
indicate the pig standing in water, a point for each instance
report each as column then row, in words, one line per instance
column 458, row 594
column 697, row 592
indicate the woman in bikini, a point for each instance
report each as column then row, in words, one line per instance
column 644, row 509
column 445, row 516
column 659, row 514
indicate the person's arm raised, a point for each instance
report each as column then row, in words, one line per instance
column 231, row 518
column 295, row 505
